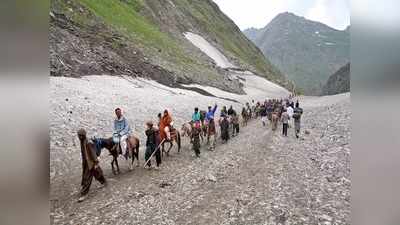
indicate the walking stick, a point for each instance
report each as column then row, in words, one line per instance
column 151, row 156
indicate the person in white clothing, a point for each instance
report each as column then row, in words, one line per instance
column 289, row 111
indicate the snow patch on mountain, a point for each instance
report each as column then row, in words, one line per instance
column 255, row 87
column 209, row 50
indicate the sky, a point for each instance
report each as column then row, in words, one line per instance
column 258, row 13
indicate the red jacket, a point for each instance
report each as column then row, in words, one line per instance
column 165, row 121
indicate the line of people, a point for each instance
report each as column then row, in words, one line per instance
column 201, row 122
column 279, row 110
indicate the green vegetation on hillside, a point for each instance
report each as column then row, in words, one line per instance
column 155, row 29
column 308, row 52
column 125, row 17
column 220, row 27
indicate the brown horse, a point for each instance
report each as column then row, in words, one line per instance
column 187, row 130
column 211, row 132
column 133, row 145
column 175, row 137
column 274, row 120
column 203, row 132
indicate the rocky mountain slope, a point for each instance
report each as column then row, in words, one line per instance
column 146, row 39
column 307, row 52
column 338, row 82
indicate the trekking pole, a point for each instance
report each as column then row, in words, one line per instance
column 151, row 156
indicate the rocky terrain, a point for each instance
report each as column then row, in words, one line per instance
column 338, row 82
column 259, row 177
column 307, row 52
column 147, row 39
column 147, row 56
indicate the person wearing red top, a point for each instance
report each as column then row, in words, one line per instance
column 165, row 126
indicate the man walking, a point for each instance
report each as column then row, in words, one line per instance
column 290, row 110
column 297, row 116
column 151, row 145
column 235, row 123
column 210, row 123
column 285, row 121
column 263, row 114
column 90, row 165
column 224, row 129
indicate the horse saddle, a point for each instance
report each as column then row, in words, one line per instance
column 197, row 125
column 173, row 132
column 97, row 143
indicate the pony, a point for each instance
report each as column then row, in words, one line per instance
column 274, row 120
column 211, row 132
column 188, row 130
column 133, row 145
column 175, row 137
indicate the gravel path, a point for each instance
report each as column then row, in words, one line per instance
column 259, row 177
column 217, row 188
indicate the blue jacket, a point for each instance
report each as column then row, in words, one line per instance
column 121, row 126
column 210, row 114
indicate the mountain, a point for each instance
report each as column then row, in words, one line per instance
column 308, row 52
column 251, row 33
column 146, row 38
column 338, row 82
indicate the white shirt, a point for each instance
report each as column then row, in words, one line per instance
column 290, row 111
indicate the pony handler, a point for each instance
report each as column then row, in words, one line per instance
column 90, row 165
column 151, row 143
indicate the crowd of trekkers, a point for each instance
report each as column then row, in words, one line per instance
column 274, row 111
column 202, row 125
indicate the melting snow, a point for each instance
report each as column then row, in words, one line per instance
column 255, row 87
column 170, row 2
column 209, row 50
column 92, row 100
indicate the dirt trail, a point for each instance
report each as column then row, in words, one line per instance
column 258, row 177
column 208, row 190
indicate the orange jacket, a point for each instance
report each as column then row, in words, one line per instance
column 165, row 121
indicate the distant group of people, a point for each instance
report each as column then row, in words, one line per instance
column 229, row 120
column 278, row 110
column 202, row 123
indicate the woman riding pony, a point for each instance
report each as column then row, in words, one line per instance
column 165, row 126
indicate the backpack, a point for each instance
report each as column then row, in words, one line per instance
column 298, row 110
column 296, row 115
